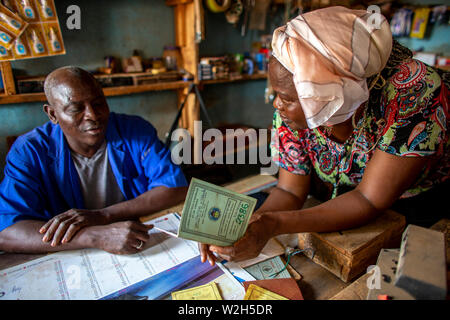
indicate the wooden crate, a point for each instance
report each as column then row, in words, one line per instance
column 348, row 253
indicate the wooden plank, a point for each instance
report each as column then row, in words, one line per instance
column 180, row 22
column 356, row 291
column 172, row 3
column 8, row 78
column 109, row 92
column 317, row 283
column 23, row 98
column 348, row 253
column 244, row 77
column 185, row 39
column 8, row 260
column 252, row 183
column 125, row 90
column 244, row 186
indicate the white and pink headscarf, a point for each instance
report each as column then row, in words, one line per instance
column 330, row 53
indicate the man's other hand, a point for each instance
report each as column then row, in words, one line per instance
column 62, row 228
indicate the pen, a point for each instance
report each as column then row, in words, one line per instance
column 165, row 231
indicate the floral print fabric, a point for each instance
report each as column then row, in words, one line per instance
column 409, row 117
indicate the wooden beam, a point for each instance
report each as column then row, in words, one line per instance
column 8, row 78
column 184, row 14
column 109, row 92
column 177, row 2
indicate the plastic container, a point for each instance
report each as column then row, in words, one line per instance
column 172, row 57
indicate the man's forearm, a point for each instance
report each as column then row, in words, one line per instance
column 154, row 200
column 347, row 211
column 24, row 237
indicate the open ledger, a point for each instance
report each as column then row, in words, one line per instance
column 166, row 264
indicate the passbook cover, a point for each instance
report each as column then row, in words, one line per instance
column 214, row 214
column 286, row 287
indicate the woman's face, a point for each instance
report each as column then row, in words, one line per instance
column 286, row 100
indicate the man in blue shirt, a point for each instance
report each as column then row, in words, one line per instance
column 83, row 179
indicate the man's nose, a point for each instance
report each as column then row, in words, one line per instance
column 91, row 113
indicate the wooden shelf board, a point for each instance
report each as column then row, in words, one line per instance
column 257, row 76
column 171, row 3
column 109, row 92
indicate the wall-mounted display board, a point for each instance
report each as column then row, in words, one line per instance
column 40, row 34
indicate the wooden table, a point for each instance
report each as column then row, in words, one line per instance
column 317, row 283
column 247, row 185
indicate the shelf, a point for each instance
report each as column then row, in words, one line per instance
column 109, row 92
column 256, row 76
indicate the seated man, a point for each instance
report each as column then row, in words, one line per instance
column 83, row 179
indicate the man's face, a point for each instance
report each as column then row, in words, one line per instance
column 80, row 108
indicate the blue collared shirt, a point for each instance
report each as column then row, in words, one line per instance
column 41, row 180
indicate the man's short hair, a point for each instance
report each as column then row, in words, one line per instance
column 51, row 80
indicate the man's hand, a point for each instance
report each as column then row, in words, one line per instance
column 125, row 237
column 259, row 231
column 61, row 228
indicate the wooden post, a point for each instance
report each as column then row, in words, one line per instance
column 184, row 12
column 8, row 78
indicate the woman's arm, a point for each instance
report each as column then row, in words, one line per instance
column 289, row 194
column 386, row 177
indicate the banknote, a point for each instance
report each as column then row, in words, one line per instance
column 205, row 292
column 214, row 214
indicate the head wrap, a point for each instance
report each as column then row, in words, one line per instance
column 330, row 53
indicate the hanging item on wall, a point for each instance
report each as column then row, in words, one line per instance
column 11, row 27
column 258, row 15
column 248, row 7
column 439, row 15
column 218, row 5
column 401, row 22
column 234, row 12
column 41, row 35
column 419, row 24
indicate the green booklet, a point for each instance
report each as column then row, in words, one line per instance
column 214, row 215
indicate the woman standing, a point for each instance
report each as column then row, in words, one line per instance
column 356, row 115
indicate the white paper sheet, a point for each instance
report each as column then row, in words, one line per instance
column 91, row 273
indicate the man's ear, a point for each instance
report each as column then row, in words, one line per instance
column 48, row 109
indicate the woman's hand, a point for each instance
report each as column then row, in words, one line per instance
column 61, row 228
column 205, row 253
column 260, row 229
